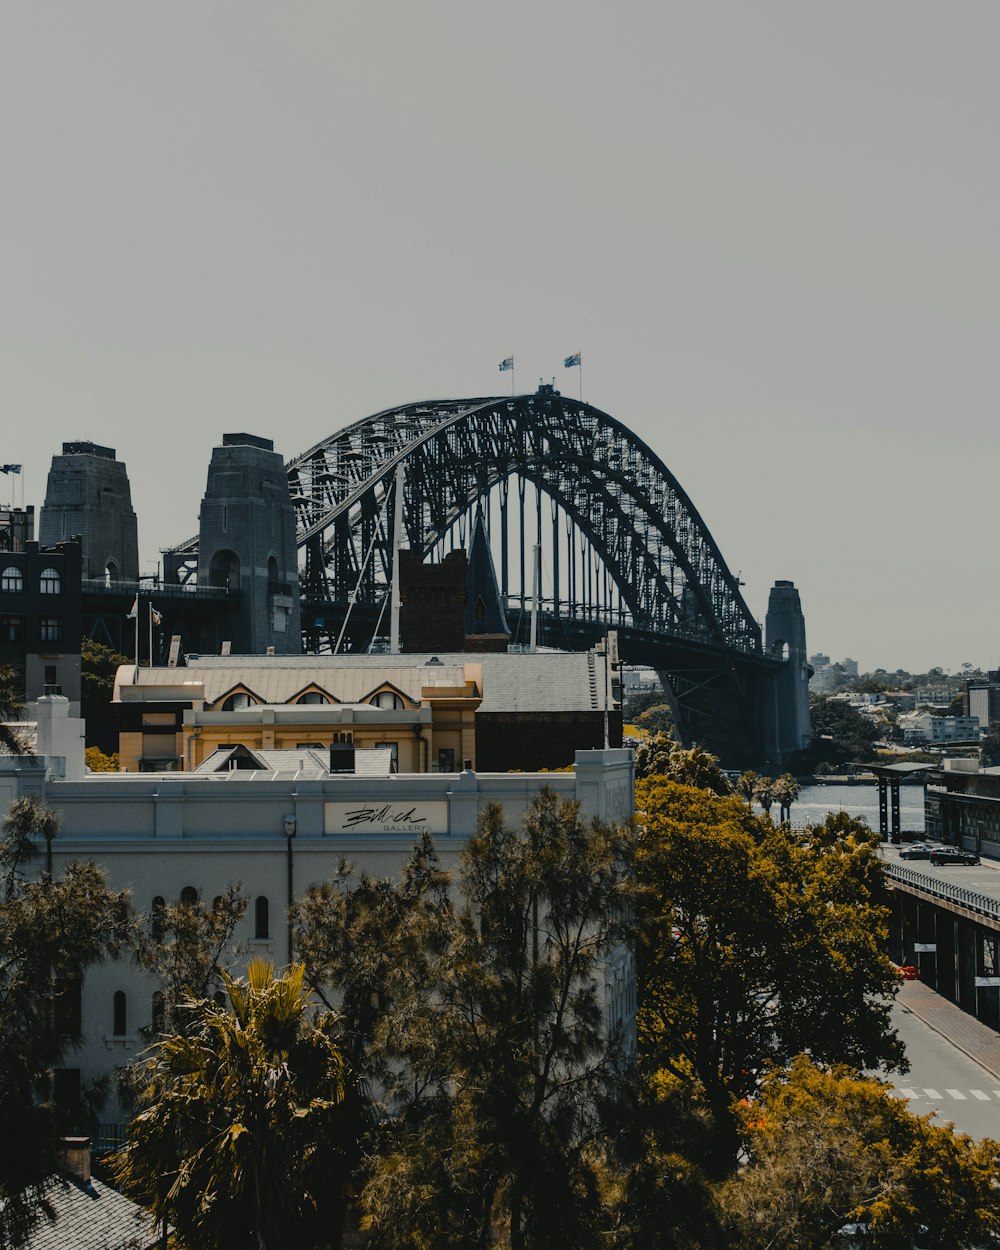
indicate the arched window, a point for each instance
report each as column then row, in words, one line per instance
column 159, row 1016
column 237, row 701
column 312, row 696
column 261, row 919
column 224, row 570
column 219, row 998
column 157, row 923
column 272, row 574
column 50, row 583
column 189, row 896
column 118, row 1021
column 12, row 580
column 111, row 573
column 388, row 700
column 217, row 902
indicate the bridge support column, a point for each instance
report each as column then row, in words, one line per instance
column 883, row 809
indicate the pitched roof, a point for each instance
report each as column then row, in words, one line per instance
column 92, row 1216
column 483, row 588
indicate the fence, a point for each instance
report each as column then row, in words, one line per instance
column 982, row 904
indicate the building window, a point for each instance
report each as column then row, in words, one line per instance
column 312, row 696
column 236, row 702
column 12, row 580
column 261, row 919
column 50, row 582
column 446, row 760
column 118, row 1014
column 50, row 628
column 11, row 629
column 189, row 896
column 157, row 922
column 219, row 999
column 159, row 1014
column 51, row 678
column 68, row 1007
column 388, row 700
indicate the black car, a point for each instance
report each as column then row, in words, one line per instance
column 953, row 855
column 916, row 850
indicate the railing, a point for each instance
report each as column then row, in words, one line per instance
column 161, row 590
column 982, row 904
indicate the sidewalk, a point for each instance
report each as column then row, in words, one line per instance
column 974, row 1039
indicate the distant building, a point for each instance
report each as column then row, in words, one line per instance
column 88, row 494
column 434, row 712
column 981, row 698
column 921, row 727
column 962, row 805
column 40, row 615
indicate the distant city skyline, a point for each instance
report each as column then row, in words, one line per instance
column 769, row 229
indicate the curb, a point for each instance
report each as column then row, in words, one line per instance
column 992, row 1067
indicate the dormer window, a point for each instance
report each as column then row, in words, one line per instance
column 388, row 701
column 237, row 702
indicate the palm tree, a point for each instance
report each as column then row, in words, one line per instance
column 745, row 784
column 763, row 792
column 786, row 791
column 237, row 1141
column 11, row 709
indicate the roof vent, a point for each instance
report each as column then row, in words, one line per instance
column 432, row 660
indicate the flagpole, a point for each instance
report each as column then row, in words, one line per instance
column 150, row 631
column 137, row 631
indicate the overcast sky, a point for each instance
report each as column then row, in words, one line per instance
column 771, row 228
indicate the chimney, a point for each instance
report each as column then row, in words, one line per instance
column 74, row 1158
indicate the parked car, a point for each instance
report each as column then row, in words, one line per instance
column 953, row 855
column 916, row 850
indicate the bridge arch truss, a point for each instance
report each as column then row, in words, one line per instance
column 623, row 546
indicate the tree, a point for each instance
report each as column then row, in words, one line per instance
column 663, row 757
column 237, row 1140
column 756, row 944
column 372, row 948
column 763, row 792
column 989, row 747
column 786, row 790
column 852, row 735
column 652, row 756
column 187, row 947
column 51, row 931
column 98, row 666
column 826, row 1149
column 746, row 783
column 98, row 762
column 11, row 709
column 502, row 1141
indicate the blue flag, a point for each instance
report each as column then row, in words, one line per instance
column 507, row 364
column 575, row 359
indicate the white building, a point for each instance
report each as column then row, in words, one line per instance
column 276, row 833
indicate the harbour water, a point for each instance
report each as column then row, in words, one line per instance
column 815, row 801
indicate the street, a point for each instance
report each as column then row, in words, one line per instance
column 944, row 1080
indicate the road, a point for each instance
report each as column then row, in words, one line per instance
column 944, row 1080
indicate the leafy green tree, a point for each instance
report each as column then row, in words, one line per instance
column 237, row 1141
column 98, row 665
column 825, row 1149
column 657, row 719
column 852, row 736
column 786, row 790
column 98, row 762
column 51, row 931
column 187, row 947
column 500, row 1145
column 373, row 949
column 756, row 944
column 989, row 748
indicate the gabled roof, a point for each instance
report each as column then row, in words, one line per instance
column 92, row 1216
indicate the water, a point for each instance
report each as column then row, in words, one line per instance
column 814, row 802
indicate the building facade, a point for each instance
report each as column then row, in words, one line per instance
column 41, row 618
column 171, row 837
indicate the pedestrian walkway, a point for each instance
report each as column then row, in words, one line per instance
column 965, row 1032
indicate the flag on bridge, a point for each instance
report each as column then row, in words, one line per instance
column 133, row 613
column 10, row 468
column 154, row 616
column 506, row 364
column 575, row 359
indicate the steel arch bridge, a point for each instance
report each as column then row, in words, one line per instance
column 623, row 546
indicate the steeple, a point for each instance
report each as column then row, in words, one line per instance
column 486, row 627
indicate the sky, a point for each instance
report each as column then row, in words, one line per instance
column 770, row 228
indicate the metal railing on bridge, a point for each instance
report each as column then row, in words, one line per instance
column 159, row 590
column 981, row 904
